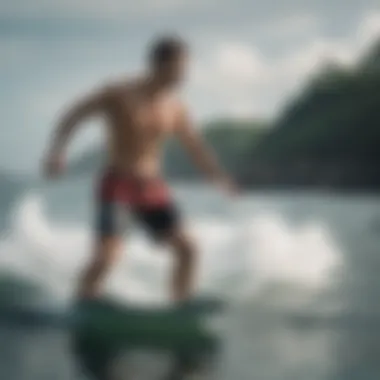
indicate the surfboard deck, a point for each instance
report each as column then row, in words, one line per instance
column 192, row 308
column 173, row 327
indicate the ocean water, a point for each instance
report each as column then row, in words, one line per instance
column 300, row 272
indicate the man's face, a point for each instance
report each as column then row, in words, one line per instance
column 173, row 72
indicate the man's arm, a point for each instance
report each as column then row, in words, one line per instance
column 70, row 121
column 202, row 155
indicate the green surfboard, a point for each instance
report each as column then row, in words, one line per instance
column 165, row 327
column 107, row 328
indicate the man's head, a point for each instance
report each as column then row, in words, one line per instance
column 168, row 60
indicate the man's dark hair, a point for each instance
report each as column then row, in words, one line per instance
column 166, row 49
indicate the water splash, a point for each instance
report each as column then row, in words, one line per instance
column 238, row 258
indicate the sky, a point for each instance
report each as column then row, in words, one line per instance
column 249, row 57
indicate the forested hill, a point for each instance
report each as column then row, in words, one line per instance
column 330, row 135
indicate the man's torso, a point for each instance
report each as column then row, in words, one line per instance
column 137, row 125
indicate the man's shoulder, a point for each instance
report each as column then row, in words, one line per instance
column 120, row 86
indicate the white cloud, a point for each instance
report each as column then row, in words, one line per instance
column 237, row 63
column 231, row 66
column 345, row 51
column 369, row 29
column 239, row 76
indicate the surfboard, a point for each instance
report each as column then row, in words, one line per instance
column 104, row 328
column 108, row 327
column 166, row 327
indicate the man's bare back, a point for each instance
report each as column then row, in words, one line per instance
column 139, row 115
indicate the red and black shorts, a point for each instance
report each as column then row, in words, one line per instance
column 148, row 200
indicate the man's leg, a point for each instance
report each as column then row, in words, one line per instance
column 165, row 226
column 106, row 250
column 182, row 282
column 105, row 254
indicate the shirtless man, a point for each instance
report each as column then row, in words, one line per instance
column 139, row 115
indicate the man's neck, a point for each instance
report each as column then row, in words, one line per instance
column 155, row 87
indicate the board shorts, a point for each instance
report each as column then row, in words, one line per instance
column 147, row 200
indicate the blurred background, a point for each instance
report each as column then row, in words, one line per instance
column 288, row 94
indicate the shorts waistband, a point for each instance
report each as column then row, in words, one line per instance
column 112, row 173
column 131, row 189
